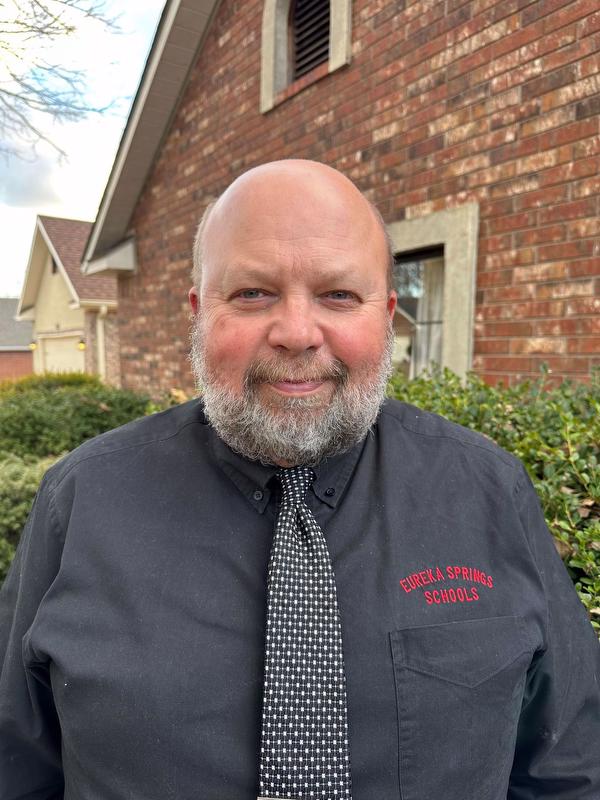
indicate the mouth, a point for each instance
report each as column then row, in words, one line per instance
column 296, row 387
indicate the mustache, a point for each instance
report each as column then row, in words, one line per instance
column 300, row 370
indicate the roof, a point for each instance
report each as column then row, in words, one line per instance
column 12, row 333
column 65, row 240
column 178, row 39
column 69, row 236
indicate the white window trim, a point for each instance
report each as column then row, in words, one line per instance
column 274, row 74
column 456, row 229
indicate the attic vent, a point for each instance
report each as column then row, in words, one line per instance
column 309, row 23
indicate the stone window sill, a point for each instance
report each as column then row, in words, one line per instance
column 316, row 74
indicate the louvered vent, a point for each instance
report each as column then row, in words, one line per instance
column 310, row 34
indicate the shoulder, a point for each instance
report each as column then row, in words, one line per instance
column 127, row 440
column 432, row 431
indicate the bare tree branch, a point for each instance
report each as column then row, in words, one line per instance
column 31, row 83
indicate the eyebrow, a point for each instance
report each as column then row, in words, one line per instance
column 249, row 272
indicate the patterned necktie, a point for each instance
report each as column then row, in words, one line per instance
column 304, row 744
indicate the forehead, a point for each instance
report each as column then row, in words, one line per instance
column 287, row 222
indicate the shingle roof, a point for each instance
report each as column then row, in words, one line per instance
column 13, row 333
column 68, row 237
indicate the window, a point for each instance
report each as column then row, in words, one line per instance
column 418, row 322
column 53, row 265
column 434, row 275
column 297, row 36
column 309, row 35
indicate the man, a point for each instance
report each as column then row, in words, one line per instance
column 293, row 589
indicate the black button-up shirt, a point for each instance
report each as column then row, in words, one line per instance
column 132, row 621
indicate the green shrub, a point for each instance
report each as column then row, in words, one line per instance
column 19, row 480
column 7, row 553
column 556, row 433
column 48, row 420
column 48, row 380
column 41, row 417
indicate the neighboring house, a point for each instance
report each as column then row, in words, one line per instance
column 73, row 315
column 16, row 359
column 473, row 125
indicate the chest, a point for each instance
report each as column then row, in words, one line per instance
column 154, row 633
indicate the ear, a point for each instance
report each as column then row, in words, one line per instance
column 391, row 304
column 194, row 300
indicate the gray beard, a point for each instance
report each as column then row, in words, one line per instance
column 295, row 430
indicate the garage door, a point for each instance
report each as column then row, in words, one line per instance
column 63, row 355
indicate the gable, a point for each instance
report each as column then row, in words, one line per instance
column 63, row 241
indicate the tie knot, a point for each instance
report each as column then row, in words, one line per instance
column 294, row 483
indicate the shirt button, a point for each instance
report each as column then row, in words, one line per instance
column 329, row 492
column 258, row 495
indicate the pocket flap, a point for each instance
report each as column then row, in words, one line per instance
column 467, row 652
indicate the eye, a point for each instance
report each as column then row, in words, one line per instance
column 340, row 295
column 251, row 294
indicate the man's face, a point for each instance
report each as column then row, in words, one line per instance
column 293, row 330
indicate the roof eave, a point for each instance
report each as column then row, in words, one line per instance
column 178, row 39
column 26, row 314
column 119, row 260
column 22, row 308
column 109, row 305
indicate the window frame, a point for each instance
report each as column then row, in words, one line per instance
column 456, row 230
column 430, row 328
column 275, row 55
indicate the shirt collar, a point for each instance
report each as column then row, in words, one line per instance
column 255, row 480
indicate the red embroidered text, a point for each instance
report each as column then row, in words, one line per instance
column 436, row 575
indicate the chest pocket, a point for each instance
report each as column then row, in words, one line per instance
column 459, row 689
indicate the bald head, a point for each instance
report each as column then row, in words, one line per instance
column 293, row 198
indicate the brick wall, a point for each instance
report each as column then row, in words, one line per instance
column 111, row 343
column 111, row 347
column 494, row 101
column 90, row 353
column 15, row 364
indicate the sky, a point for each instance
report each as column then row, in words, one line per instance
column 39, row 182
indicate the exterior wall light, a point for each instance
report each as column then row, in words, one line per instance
column 32, row 345
column 81, row 344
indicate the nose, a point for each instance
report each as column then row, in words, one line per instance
column 295, row 327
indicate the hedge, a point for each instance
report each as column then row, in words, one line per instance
column 48, row 417
column 48, row 381
column 19, row 479
column 42, row 417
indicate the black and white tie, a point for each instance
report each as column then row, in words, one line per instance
column 304, row 745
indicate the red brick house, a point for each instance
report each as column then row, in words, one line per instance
column 473, row 125
column 16, row 358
